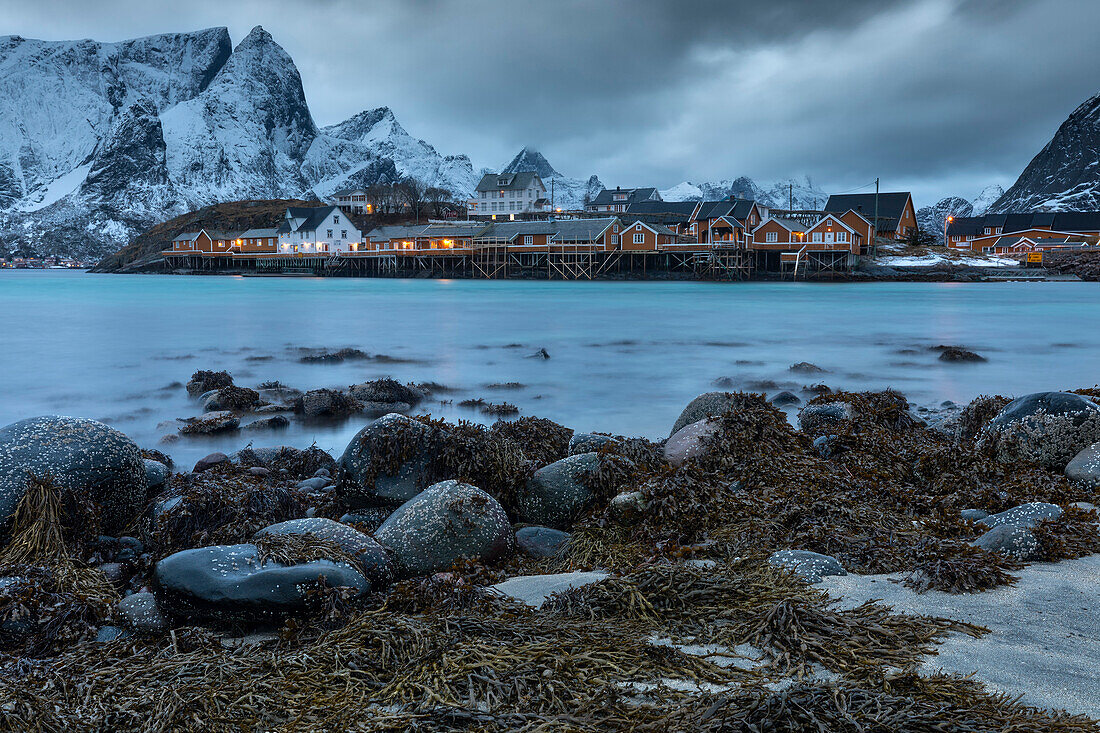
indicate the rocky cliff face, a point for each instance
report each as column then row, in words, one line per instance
column 99, row 141
column 931, row 219
column 1065, row 175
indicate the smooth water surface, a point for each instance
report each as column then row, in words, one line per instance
column 625, row 357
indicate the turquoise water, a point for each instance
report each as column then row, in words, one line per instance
column 625, row 357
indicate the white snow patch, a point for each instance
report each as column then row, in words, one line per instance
column 57, row 190
column 535, row 589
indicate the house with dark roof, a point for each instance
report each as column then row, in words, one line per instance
column 506, row 195
column 190, row 243
column 619, row 200
column 728, row 220
column 352, row 200
column 984, row 233
column 318, row 230
column 897, row 218
column 257, row 241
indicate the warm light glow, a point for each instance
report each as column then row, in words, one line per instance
column 950, row 218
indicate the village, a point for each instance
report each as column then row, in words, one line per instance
column 510, row 228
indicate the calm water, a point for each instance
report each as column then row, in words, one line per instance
column 625, row 357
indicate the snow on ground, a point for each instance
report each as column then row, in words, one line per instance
column 57, row 190
column 1045, row 640
column 929, row 259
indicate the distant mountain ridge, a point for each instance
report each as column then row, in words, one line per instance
column 803, row 193
column 567, row 193
column 98, row 141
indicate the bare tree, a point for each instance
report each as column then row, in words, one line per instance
column 411, row 192
column 378, row 198
column 435, row 197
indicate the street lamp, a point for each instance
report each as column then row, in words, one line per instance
column 946, row 221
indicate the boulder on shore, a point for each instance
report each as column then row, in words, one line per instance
column 708, row 404
column 556, row 493
column 156, row 473
column 690, row 441
column 1015, row 541
column 1025, row 515
column 825, row 418
column 811, row 566
column 232, row 582
column 1047, row 428
column 540, row 541
column 588, row 442
column 1085, row 467
column 78, row 456
column 388, row 462
column 445, row 522
column 371, row 558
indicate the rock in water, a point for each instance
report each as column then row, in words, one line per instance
column 825, row 418
column 782, row 399
column 690, row 441
column 709, row 404
column 958, row 354
column 79, row 455
column 207, row 462
column 812, row 566
column 555, row 494
column 204, row 381
column 1085, row 467
column 211, row 422
column 1048, row 428
column 388, row 461
column 445, row 522
column 1025, row 515
column 230, row 582
column 371, row 558
column 540, row 541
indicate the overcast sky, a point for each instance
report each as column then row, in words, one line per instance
column 941, row 97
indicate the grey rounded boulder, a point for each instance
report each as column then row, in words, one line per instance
column 78, row 455
column 445, row 522
column 156, row 473
column 1025, row 515
column 140, row 612
column 557, row 493
column 709, row 404
column 588, row 443
column 811, row 566
column 233, row 582
column 540, row 541
column 1015, row 541
column 825, row 418
column 388, row 461
column 1085, row 467
column 1048, row 428
column 370, row 557
column 690, row 441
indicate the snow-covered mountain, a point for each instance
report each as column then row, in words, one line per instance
column 568, row 193
column 803, row 192
column 985, row 199
column 931, row 219
column 100, row 140
column 1065, row 175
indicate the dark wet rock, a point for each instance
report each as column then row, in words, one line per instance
column 556, row 493
column 811, row 566
column 824, row 418
column 1025, row 515
column 232, row 582
column 238, row 399
column 327, row 402
column 383, row 391
column 275, row 422
column 973, row 515
column 957, row 354
column 540, row 541
column 156, row 473
column 378, row 409
column 335, row 357
column 388, row 461
column 80, row 456
column 805, row 367
column 502, row 409
column 709, row 404
column 322, row 472
column 314, row 484
column 129, row 549
column 203, row 381
column 299, row 463
column 370, row 558
column 783, row 399
column 211, row 422
column 259, row 471
column 280, row 396
column 825, row 445
column 207, row 462
column 139, row 612
column 111, row 633
column 1015, row 541
column 1085, row 467
column 540, row 354
column 1048, row 428
column 445, row 522
column 505, row 385
column 588, row 443
column 369, row 520
column 628, row 507
column 690, row 441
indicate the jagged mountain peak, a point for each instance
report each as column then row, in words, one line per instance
column 530, row 159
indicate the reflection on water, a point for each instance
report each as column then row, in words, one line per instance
column 624, row 357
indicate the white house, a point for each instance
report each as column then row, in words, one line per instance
column 505, row 194
column 353, row 200
column 323, row 230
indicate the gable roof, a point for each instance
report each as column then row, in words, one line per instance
column 833, row 217
column 515, row 181
column 789, row 224
column 258, row 233
column 651, row 226
column 606, row 197
column 508, row 230
column 582, row 230
column 189, row 236
column 890, row 206
column 681, row 208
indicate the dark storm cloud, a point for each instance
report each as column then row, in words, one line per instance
column 942, row 96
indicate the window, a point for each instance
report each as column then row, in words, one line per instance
column 817, row 236
column 335, row 220
column 482, row 194
column 329, row 236
column 615, row 239
column 771, row 237
column 842, row 236
column 989, row 230
column 528, row 239
column 639, row 238
column 343, row 234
